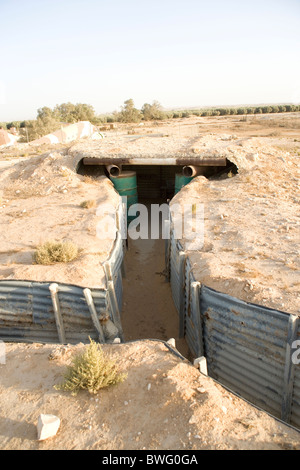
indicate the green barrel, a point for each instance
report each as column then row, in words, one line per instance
column 181, row 180
column 126, row 185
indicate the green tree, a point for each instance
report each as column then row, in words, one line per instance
column 84, row 112
column 129, row 113
column 66, row 112
column 152, row 111
column 69, row 112
column 282, row 109
column 47, row 113
column 266, row 109
column 46, row 123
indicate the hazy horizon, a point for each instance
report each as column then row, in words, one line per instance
column 187, row 55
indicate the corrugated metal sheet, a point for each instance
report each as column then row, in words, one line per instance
column 176, row 273
column 27, row 314
column 114, row 271
column 27, row 311
column 247, row 346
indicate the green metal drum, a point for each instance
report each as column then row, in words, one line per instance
column 126, row 185
column 180, row 181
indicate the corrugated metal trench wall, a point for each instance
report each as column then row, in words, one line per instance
column 248, row 348
column 50, row 313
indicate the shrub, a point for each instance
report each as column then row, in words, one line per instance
column 207, row 112
column 56, row 252
column 90, row 370
column 153, row 111
column 266, row 109
column 88, row 204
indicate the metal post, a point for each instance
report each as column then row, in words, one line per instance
column 113, row 298
column 57, row 313
column 181, row 293
column 90, row 302
column 195, row 300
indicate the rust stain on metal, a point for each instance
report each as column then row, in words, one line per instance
column 235, row 312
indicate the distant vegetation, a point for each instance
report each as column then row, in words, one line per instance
column 49, row 120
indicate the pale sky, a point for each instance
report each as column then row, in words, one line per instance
column 189, row 53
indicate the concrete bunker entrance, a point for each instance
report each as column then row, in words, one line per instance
column 148, row 309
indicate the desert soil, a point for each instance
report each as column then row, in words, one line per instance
column 164, row 404
column 251, row 250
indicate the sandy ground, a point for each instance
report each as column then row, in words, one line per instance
column 251, row 227
column 251, row 243
column 164, row 404
column 142, row 303
column 41, row 199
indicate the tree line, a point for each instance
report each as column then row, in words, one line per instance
column 49, row 120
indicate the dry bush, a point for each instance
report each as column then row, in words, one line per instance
column 90, row 370
column 88, row 204
column 56, row 252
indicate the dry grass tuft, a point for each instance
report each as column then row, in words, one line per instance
column 56, row 252
column 91, row 370
column 88, row 204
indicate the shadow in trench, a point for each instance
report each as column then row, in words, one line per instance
column 148, row 308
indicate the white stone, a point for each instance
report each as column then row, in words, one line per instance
column 201, row 364
column 47, row 426
column 172, row 342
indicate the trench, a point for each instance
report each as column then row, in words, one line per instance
column 148, row 309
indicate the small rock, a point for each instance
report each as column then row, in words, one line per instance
column 47, row 426
column 193, row 420
column 172, row 342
